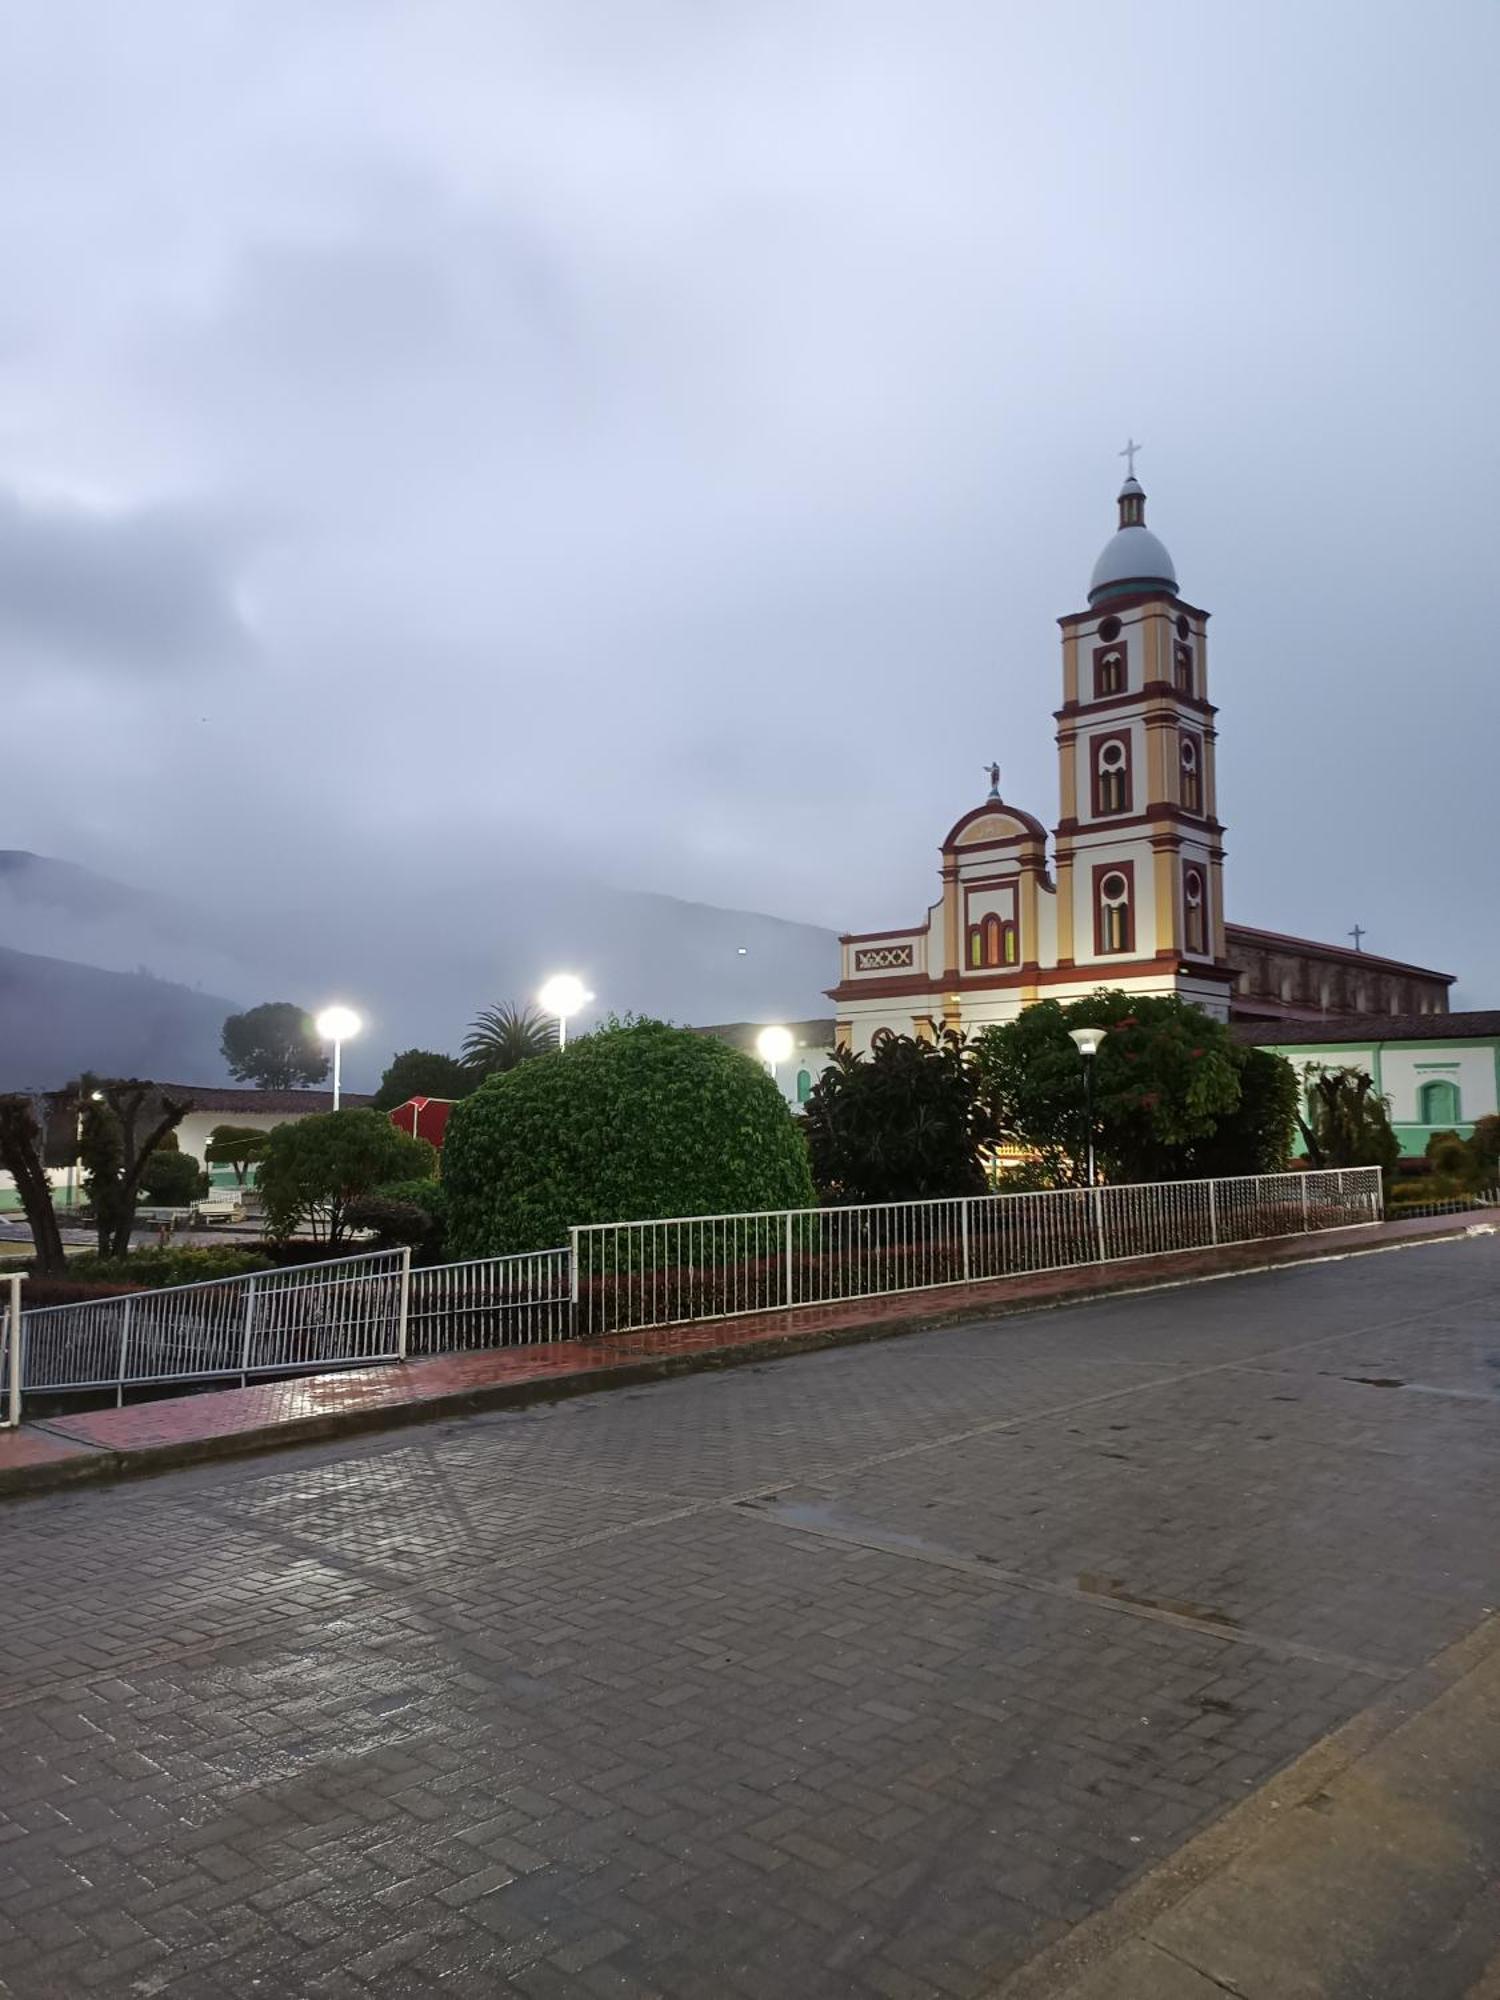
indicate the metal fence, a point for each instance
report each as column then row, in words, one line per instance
column 310, row 1316
column 616, row 1277
column 10, row 1351
column 1457, row 1204
column 640, row 1274
column 490, row 1302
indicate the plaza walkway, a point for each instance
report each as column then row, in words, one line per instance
column 886, row 1670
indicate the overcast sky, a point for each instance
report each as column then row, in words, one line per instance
column 659, row 438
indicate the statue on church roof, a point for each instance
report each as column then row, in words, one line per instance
column 994, row 771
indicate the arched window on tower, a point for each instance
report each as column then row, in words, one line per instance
column 1114, row 928
column 1183, row 659
column 804, row 1086
column 1111, row 775
column 1194, row 913
column 1191, row 759
column 1109, row 670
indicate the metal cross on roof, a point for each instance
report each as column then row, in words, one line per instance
column 1128, row 454
column 1357, row 933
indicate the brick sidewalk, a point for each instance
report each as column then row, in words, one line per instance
column 179, row 1430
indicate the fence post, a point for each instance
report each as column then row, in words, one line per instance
column 1306, row 1225
column 124, row 1351
column 405, row 1301
column 1213, row 1214
column 13, row 1352
column 789, row 1283
column 967, row 1204
column 573, row 1281
column 247, row 1331
column 1098, row 1198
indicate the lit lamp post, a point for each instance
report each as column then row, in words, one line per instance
column 1086, row 1041
column 75, row 1168
column 774, row 1045
column 563, row 995
column 336, row 1025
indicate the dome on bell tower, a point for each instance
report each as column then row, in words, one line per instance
column 1133, row 559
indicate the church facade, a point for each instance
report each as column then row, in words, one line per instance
column 1131, row 894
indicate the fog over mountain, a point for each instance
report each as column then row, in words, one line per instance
column 447, row 943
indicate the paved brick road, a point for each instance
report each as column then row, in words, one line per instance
column 857, row 1674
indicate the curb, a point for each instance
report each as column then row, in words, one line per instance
column 100, row 1462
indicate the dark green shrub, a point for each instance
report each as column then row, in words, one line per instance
column 904, row 1123
column 414, row 1212
column 170, row 1179
column 639, row 1120
column 168, row 1266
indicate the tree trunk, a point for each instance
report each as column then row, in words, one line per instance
column 21, row 1154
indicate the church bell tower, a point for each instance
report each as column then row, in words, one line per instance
column 1139, row 847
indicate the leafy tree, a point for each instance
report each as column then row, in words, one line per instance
column 1483, row 1147
column 237, row 1146
column 115, row 1147
column 904, row 1123
column 425, row 1073
column 1256, row 1137
column 1348, row 1122
column 634, row 1121
column 503, row 1037
column 316, row 1168
column 171, row 1178
column 274, row 1045
column 1165, row 1076
column 23, row 1155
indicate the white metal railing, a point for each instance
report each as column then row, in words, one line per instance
column 640, row 1274
column 490, row 1302
column 280, row 1322
column 615, row 1277
column 10, row 1351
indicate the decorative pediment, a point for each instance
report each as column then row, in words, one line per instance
column 991, row 826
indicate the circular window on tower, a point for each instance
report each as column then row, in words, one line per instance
column 1189, row 754
column 1109, row 630
column 1112, row 888
column 1112, row 757
column 1184, row 630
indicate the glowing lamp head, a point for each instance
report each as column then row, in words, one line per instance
column 1087, row 1040
column 774, row 1045
column 563, row 995
column 337, row 1024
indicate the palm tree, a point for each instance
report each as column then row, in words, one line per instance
column 503, row 1037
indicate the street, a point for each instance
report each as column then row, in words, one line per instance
column 862, row 1673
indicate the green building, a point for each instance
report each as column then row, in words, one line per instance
column 1441, row 1072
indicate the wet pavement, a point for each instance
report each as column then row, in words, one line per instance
column 864, row 1672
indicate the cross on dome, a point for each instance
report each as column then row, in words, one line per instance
column 1128, row 454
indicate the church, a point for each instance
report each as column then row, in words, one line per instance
column 1129, row 891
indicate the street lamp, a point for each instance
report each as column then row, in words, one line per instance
column 774, row 1046
column 1086, row 1041
column 336, row 1025
column 564, row 994
column 75, row 1166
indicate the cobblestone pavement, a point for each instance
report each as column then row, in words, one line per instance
column 863, row 1673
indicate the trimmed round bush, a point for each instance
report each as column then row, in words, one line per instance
column 634, row 1122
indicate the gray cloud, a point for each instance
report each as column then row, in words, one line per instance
column 146, row 591
column 683, row 425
